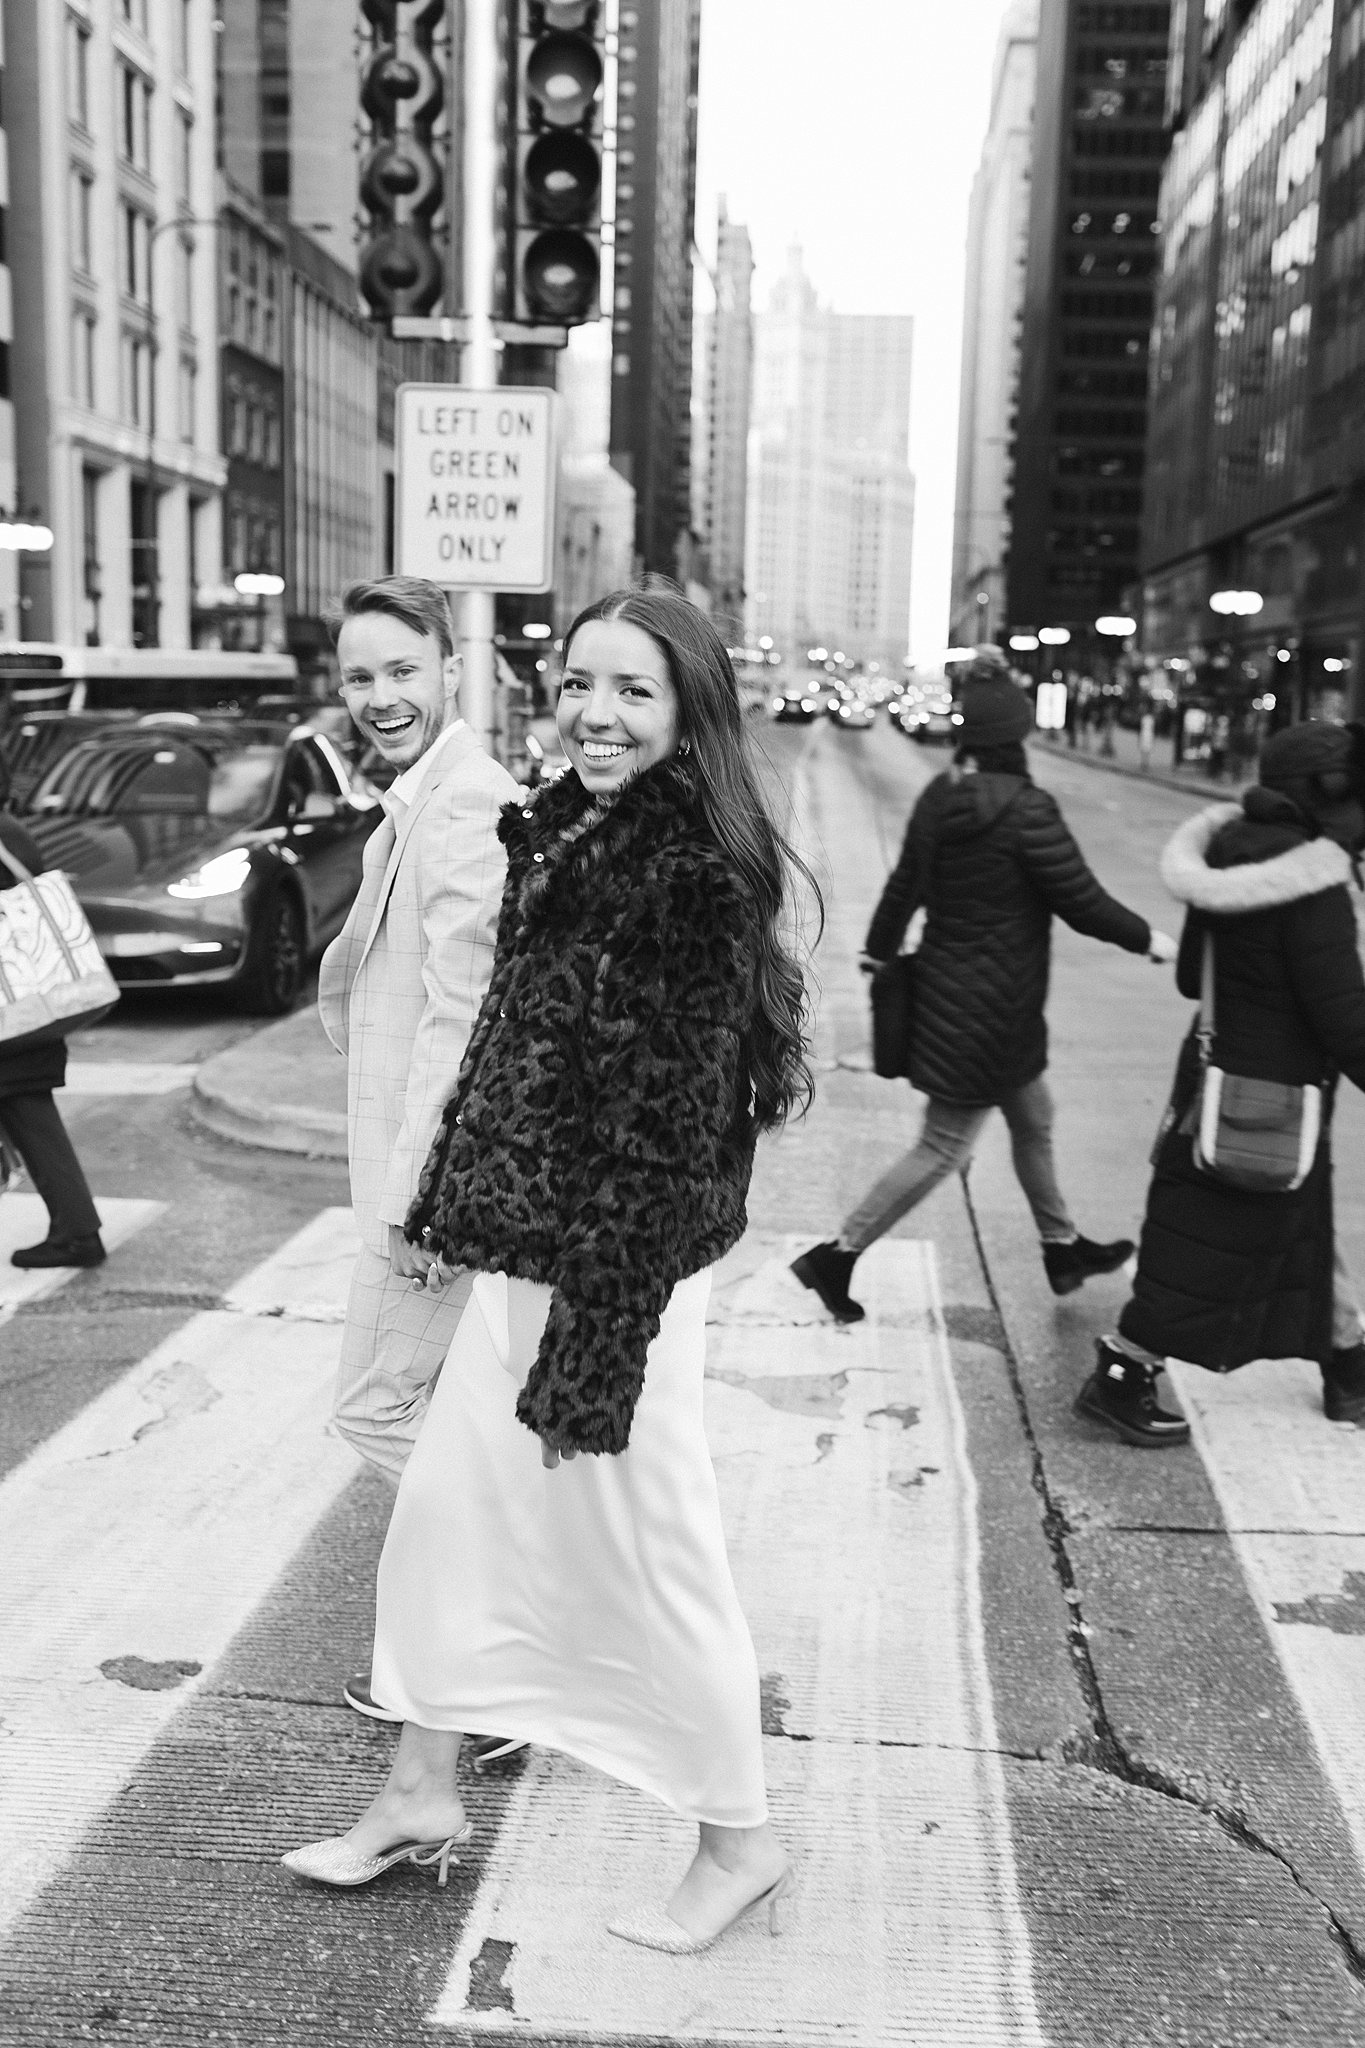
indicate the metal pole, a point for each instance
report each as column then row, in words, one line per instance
column 480, row 367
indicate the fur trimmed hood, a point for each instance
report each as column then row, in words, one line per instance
column 1303, row 870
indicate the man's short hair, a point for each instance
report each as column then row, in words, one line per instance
column 413, row 600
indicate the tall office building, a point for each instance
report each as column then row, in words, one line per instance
column 656, row 125
column 831, row 496
column 725, row 420
column 997, row 251
column 110, row 118
column 1256, row 480
column 1098, row 143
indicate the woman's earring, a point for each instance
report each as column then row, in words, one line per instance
column 684, row 746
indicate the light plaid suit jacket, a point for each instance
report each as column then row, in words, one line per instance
column 401, row 984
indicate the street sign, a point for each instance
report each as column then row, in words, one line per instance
column 475, row 486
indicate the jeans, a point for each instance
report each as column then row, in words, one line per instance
column 945, row 1145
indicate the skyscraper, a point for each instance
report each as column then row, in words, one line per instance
column 997, row 250
column 729, row 386
column 831, row 496
column 652, row 316
column 1256, row 466
column 1098, row 142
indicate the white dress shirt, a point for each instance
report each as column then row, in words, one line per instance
column 403, row 789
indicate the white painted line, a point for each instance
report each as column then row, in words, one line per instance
column 308, row 1277
column 127, row 1077
column 149, row 1528
column 24, row 1220
column 1292, row 1490
column 850, row 1513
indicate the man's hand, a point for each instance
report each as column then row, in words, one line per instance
column 1162, row 948
column 408, row 1261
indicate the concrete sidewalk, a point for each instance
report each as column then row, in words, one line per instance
column 283, row 1089
column 1126, row 759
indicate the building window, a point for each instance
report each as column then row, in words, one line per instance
column 83, row 357
column 183, row 25
column 136, row 392
column 82, row 200
column 78, row 71
column 135, row 118
column 90, row 553
column 184, row 156
column 143, row 563
column 189, row 383
column 134, row 12
column 185, row 281
column 272, row 439
column 135, row 253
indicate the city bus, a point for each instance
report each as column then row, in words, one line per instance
column 42, row 676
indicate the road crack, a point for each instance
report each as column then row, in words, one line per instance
column 1105, row 1751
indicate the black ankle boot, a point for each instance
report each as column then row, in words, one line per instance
column 62, row 1251
column 1067, row 1265
column 1343, row 1386
column 1121, row 1395
column 828, row 1271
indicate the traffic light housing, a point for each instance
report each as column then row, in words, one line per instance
column 402, row 179
column 553, row 218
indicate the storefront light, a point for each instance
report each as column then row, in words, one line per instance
column 1024, row 643
column 1236, row 604
column 1115, row 626
column 1333, row 667
column 1283, row 654
column 1054, row 636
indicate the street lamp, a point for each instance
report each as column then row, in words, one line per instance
column 1115, row 626
column 16, row 535
column 1054, row 636
column 1237, row 604
column 1024, row 643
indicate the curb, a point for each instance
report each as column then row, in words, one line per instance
column 1227, row 792
column 275, row 1127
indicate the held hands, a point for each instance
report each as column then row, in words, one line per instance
column 1163, row 947
column 414, row 1263
column 867, row 965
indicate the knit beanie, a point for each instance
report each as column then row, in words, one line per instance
column 994, row 711
column 1313, row 748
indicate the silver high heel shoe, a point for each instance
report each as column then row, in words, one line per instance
column 657, row 1930
column 335, row 1862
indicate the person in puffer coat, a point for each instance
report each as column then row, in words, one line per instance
column 988, row 855
column 1225, row 1276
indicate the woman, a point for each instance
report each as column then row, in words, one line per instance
column 555, row 1568
column 1226, row 1276
column 31, row 1123
column 989, row 858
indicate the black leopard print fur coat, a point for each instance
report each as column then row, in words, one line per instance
column 601, row 1135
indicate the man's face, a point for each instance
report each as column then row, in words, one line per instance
column 398, row 689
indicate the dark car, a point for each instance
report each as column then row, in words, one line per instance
column 930, row 720
column 205, row 850
column 802, row 700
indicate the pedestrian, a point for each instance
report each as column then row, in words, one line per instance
column 1146, row 738
column 30, row 1121
column 556, row 1564
column 989, row 858
column 398, row 992
column 1224, row 1275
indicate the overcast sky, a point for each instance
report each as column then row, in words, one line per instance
column 854, row 127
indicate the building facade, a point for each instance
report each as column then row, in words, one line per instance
column 831, row 495
column 11, row 615
column 656, row 130
column 997, row 253
column 725, row 421
column 1099, row 139
column 1257, row 460
column 110, row 118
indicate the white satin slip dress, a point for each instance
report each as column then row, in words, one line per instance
column 588, row 1609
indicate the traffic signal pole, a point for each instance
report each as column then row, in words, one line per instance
column 479, row 367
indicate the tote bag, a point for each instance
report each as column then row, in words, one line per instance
column 53, row 978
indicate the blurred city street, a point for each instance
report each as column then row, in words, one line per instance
column 1066, row 1739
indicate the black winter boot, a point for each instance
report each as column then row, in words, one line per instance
column 1067, row 1265
column 828, row 1271
column 62, row 1251
column 1121, row 1395
column 1343, row 1386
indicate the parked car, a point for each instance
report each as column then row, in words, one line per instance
column 930, row 720
column 207, row 851
column 852, row 710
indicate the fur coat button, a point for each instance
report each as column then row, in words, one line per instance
column 537, row 856
column 527, row 814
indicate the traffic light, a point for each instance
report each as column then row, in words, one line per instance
column 402, row 179
column 554, row 164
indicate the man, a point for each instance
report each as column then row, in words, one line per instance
column 398, row 992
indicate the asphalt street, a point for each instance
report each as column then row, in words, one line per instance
column 1069, row 1740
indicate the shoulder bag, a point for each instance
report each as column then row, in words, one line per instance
column 1259, row 1136
column 53, row 978
column 893, row 1016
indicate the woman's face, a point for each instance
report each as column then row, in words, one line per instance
column 618, row 711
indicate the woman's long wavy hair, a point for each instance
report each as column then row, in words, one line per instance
column 720, row 767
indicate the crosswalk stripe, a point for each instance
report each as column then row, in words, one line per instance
column 1292, row 1491
column 24, row 1220
column 140, row 1537
column 850, row 1511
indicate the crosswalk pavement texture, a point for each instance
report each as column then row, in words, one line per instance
column 143, row 1536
